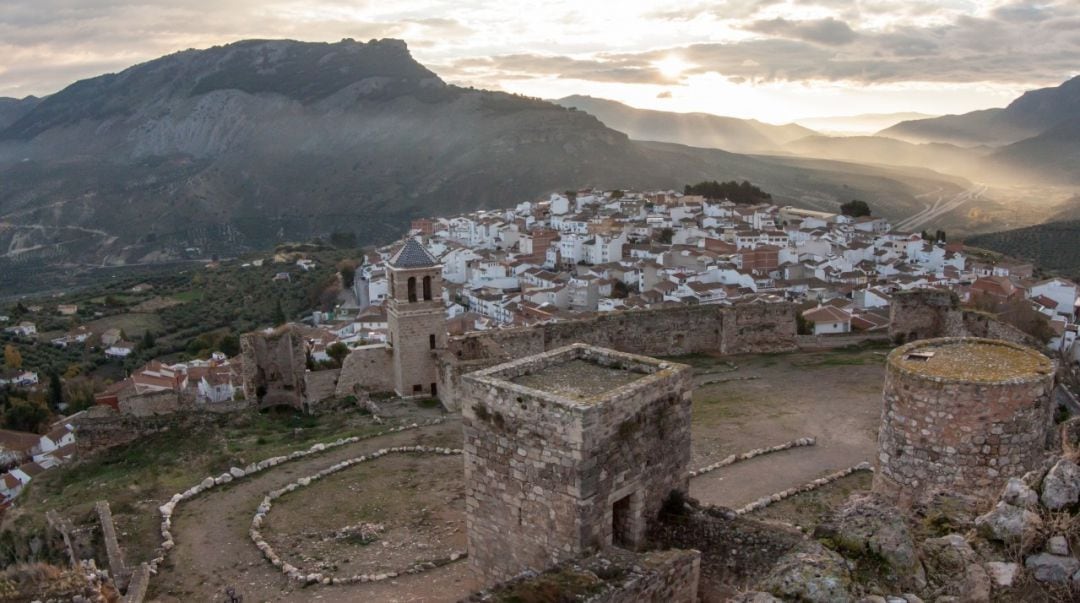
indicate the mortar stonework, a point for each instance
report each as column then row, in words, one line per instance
column 550, row 477
column 960, row 434
column 417, row 327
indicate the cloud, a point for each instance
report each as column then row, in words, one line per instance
column 828, row 31
column 664, row 94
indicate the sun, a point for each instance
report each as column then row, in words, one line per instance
column 671, row 66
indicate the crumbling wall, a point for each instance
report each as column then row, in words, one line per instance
column 320, row 385
column 151, row 403
column 368, row 368
column 981, row 324
column 923, row 314
column 273, row 367
column 758, row 328
column 735, row 551
column 101, row 427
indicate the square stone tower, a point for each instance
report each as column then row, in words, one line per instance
column 416, row 319
column 570, row 451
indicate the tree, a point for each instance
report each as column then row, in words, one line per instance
column 616, row 194
column 56, row 391
column 279, row 314
column 737, row 192
column 12, row 357
column 665, row 235
column 23, row 415
column 229, row 345
column 338, row 351
column 147, row 340
column 347, row 268
column 855, row 208
column 343, row 240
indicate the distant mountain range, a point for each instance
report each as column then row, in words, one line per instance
column 241, row 146
column 859, row 125
column 693, row 129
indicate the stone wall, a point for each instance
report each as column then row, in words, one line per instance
column 152, row 403
column 548, row 479
column 319, row 386
column 940, row 434
column 614, row 576
column 368, row 368
column 929, row 313
column 273, row 367
column 741, row 329
column 735, row 551
column 117, row 567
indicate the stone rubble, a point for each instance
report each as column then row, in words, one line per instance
column 735, row 458
column 765, row 501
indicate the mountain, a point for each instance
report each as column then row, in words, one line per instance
column 11, row 109
column 1052, row 157
column 693, row 129
column 878, row 149
column 863, row 124
column 242, row 146
column 1051, row 245
column 1033, row 113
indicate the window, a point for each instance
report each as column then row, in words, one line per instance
column 417, row 389
column 434, row 390
column 427, row 288
column 431, row 341
column 412, row 289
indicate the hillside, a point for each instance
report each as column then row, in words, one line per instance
column 1052, row 246
column 11, row 109
column 862, row 124
column 1053, row 156
column 693, row 129
column 242, row 146
column 1030, row 115
column 878, row 149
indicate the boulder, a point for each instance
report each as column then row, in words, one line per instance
column 1061, row 486
column 875, row 534
column 1018, row 494
column 812, row 574
column 237, row 472
column 1052, row 568
column 1009, row 524
column 207, row 483
column 952, row 568
column 1001, row 573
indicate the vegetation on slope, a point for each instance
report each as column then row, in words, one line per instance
column 1052, row 246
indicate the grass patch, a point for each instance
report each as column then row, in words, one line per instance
column 191, row 295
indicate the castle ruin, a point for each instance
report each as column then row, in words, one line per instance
column 273, row 366
column 961, row 415
column 568, row 452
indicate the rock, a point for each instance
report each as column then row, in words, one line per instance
column 1052, row 568
column 875, row 535
column 224, row 478
column 812, row 574
column 1001, row 573
column 872, row 599
column 1057, row 545
column 237, row 472
column 207, row 483
column 952, row 568
column 756, row 597
column 1009, row 524
column 1061, row 486
column 1018, row 494
column 910, row 598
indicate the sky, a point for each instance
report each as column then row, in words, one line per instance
column 773, row 60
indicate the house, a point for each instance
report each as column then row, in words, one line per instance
column 67, row 309
column 18, row 378
column 1062, row 292
column 828, row 320
column 120, row 349
column 111, row 336
column 17, row 447
column 56, row 446
column 23, row 329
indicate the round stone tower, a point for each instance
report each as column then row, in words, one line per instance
column 961, row 415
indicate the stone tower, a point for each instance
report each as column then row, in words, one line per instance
column 568, row 452
column 416, row 319
column 961, row 415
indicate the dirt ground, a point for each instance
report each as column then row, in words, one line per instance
column 213, row 550
column 770, row 399
column 419, row 500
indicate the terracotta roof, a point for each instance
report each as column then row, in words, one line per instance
column 412, row 255
column 826, row 314
column 18, row 440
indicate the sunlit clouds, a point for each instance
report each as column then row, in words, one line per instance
column 774, row 60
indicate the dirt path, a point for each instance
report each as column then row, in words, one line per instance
column 833, row 397
column 213, row 550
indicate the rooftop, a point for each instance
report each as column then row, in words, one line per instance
column 971, row 359
column 578, row 375
column 412, row 255
column 577, row 378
